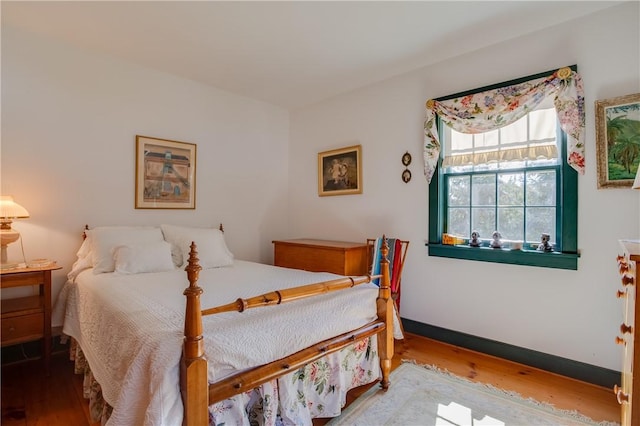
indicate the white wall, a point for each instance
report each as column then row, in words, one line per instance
column 69, row 121
column 572, row 314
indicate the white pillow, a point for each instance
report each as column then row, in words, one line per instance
column 141, row 258
column 105, row 239
column 212, row 249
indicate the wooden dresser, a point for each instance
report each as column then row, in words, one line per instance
column 628, row 393
column 338, row 257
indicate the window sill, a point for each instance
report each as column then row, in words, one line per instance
column 514, row 257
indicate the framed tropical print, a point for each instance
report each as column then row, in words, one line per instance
column 618, row 140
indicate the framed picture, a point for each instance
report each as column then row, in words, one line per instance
column 340, row 171
column 406, row 158
column 406, row 175
column 617, row 140
column 165, row 174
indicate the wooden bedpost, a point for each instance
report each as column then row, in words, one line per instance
column 193, row 367
column 385, row 312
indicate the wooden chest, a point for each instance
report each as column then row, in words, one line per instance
column 338, row 257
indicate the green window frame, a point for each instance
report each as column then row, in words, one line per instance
column 566, row 252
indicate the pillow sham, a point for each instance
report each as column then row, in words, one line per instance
column 85, row 248
column 105, row 239
column 143, row 258
column 78, row 266
column 212, row 249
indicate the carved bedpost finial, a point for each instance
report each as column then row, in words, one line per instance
column 385, row 281
column 193, row 346
column 193, row 366
column 385, row 312
column 193, row 268
column 384, row 252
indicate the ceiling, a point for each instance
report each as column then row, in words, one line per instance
column 288, row 53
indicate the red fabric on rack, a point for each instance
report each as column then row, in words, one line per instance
column 395, row 281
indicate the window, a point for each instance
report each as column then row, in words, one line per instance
column 503, row 180
column 514, row 179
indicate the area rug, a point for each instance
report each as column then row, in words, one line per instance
column 424, row 395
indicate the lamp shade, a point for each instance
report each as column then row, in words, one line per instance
column 9, row 209
column 636, row 183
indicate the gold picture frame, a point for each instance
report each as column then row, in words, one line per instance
column 340, row 171
column 165, row 174
column 617, row 139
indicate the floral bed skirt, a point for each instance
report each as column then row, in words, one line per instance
column 318, row 389
column 99, row 410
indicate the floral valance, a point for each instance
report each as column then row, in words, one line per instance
column 492, row 109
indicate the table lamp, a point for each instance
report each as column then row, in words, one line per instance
column 9, row 210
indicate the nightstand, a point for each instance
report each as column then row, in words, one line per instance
column 28, row 318
column 338, row 257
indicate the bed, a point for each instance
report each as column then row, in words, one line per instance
column 247, row 344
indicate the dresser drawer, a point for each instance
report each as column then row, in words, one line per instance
column 22, row 328
column 628, row 393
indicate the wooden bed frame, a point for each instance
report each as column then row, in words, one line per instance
column 198, row 394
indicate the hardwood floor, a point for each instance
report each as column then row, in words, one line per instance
column 596, row 402
column 30, row 398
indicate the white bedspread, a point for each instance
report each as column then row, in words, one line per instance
column 130, row 328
